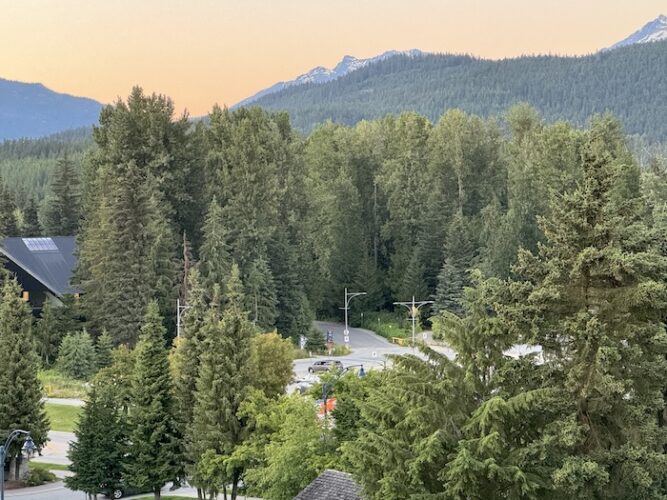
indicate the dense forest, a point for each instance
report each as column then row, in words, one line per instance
column 627, row 82
column 397, row 207
column 522, row 231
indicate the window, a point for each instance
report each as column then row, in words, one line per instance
column 25, row 296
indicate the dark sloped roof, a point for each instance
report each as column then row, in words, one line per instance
column 331, row 485
column 50, row 260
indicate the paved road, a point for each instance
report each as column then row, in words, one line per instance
column 368, row 349
column 58, row 491
column 55, row 451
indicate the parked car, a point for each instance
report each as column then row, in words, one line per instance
column 121, row 489
column 325, row 365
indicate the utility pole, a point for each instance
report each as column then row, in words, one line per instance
column 348, row 297
column 413, row 307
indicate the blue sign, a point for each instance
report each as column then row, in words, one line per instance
column 330, row 337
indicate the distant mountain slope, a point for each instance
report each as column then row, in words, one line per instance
column 32, row 110
column 654, row 31
column 320, row 74
column 630, row 82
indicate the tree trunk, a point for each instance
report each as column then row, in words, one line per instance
column 158, row 493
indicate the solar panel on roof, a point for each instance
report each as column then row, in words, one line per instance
column 40, row 244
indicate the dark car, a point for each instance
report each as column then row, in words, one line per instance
column 325, row 365
column 122, row 489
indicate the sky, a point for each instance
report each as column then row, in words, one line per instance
column 206, row 52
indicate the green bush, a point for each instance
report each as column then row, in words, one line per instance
column 76, row 356
column 37, row 477
column 59, row 385
column 388, row 324
column 315, row 340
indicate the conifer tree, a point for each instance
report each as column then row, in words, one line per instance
column 216, row 261
column 76, row 355
column 7, row 208
column 154, row 455
column 261, row 294
column 224, row 379
column 21, row 403
column 62, row 212
column 98, row 452
column 593, row 299
column 460, row 256
column 47, row 335
column 30, row 226
column 186, row 356
column 104, row 350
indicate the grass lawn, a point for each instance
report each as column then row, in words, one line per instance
column 47, row 466
column 62, row 417
column 58, row 385
column 168, row 497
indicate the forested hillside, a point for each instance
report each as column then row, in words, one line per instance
column 629, row 82
column 521, row 230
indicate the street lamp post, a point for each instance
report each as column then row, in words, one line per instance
column 28, row 447
column 179, row 308
column 348, row 297
column 413, row 307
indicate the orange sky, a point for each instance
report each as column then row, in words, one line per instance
column 201, row 52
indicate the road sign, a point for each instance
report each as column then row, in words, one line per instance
column 346, row 338
column 330, row 337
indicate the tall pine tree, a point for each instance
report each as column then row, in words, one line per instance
column 21, row 397
column 154, row 454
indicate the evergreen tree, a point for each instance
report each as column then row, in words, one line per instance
column 62, row 211
column 459, row 258
column 224, row 379
column 48, row 335
column 154, row 456
column 21, row 403
column 188, row 351
column 104, row 350
column 30, row 226
column 593, row 300
column 261, row 294
column 98, row 452
column 76, row 355
column 7, row 208
column 216, row 261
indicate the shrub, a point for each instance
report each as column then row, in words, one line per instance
column 36, row 477
column 76, row 356
column 315, row 340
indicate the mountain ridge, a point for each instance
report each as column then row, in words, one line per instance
column 29, row 110
column 653, row 31
column 320, row 74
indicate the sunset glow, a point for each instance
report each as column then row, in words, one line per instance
column 204, row 52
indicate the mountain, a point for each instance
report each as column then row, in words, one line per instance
column 654, row 31
column 320, row 74
column 629, row 81
column 32, row 110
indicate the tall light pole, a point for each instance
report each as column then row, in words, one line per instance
column 179, row 308
column 348, row 297
column 28, row 447
column 413, row 307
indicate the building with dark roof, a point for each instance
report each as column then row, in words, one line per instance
column 331, row 485
column 43, row 266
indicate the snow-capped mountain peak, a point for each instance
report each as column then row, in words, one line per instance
column 320, row 74
column 653, row 31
